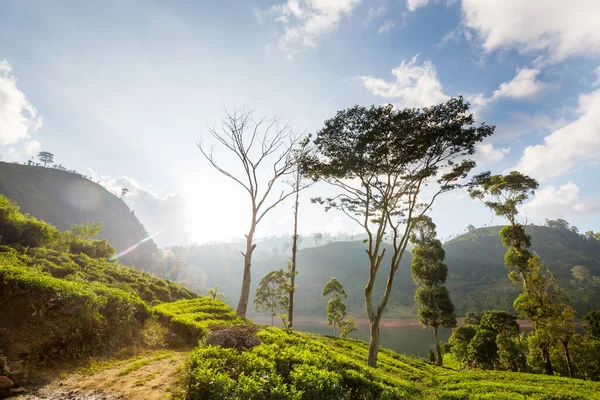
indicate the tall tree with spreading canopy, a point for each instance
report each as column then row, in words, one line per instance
column 381, row 159
column 264, row 148
column 434, row 307
column 46, row 157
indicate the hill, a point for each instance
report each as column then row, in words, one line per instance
column 477, row 276
column 63, row 198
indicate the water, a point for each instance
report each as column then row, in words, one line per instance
column 411, row 340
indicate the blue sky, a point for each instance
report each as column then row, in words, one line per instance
column 123, row 90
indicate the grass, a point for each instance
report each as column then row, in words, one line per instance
column 142, row 363
column 190, row 319
column 308, row 366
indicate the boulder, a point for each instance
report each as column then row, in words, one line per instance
column 18, row 373
column 240, row 337
column 6, row 382
column 16, row 391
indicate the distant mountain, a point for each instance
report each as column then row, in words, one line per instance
column 477, row 276
column 64, row 198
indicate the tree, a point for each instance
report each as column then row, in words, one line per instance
column 506, row 328
column 591, row 324
column 336, row 309
column 473, row 318
column 459, row 342
column 318, row 237
column 559, row 224
column 297, row 186
column 87, row 230
column 348, row 326
column 544, row 303
column 582, row 274
column 470, row 228
column 256, row 144
column 380, row 159
column 434, row 307
column 272, row 294
column 124, row 191
column 482, row 349
column 214, row 293
column 46, row 157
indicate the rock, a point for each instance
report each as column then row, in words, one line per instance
column 240, row 337
column 3, row 366
column 6, row 382
column 18, row 373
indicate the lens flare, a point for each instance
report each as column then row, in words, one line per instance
column 121, row 254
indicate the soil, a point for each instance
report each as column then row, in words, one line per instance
column 154, row 381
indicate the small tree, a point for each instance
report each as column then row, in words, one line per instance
column 214, row 293
column 272, row 294
column 318, row 237
column 46, row 157
column 87, row 230
column 124, row 191
column 459, row 341
column 434, row 307
column 336, row 309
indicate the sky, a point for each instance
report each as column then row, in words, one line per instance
column 123, row 91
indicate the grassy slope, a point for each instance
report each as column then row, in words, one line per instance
column 305, row 366
column 62, row 198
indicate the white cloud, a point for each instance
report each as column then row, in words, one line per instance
column 562, row 202
column 18, row 117
column 575, row 144
column 387, row 25
column 412, row 5
column 523, row 86
column 374, row 13
column 560, row 27
column 305, row 20
column 23, row 153
column 486, row 153
column 414, row 85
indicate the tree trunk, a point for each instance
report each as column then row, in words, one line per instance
column 294, row 251
column 546, row 359
column 245, row 295
column 271, row 319
column 565, row 344
column 373, row 344
column 438, row 348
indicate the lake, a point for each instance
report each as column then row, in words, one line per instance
column 410, row 338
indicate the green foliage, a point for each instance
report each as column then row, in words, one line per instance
column 272, row 294
column 214, row 293
column 459, row 342
column 434, row 307
column 190, row 319
column 336, row 308
column 592, row 324
column 87, row 230
column 305, row 366
column 473, row 318
column 483, row 350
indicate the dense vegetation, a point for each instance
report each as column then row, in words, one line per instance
column 190, row 319
column 61, row 297
column 306, row 366
column 64, row 198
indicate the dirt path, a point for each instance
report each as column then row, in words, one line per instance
column 151, row 377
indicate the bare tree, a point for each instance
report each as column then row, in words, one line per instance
column 262, row 146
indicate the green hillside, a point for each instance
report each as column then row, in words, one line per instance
column 63, row 198
column 60, row 297
column 307, row 366
column 477, row 276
